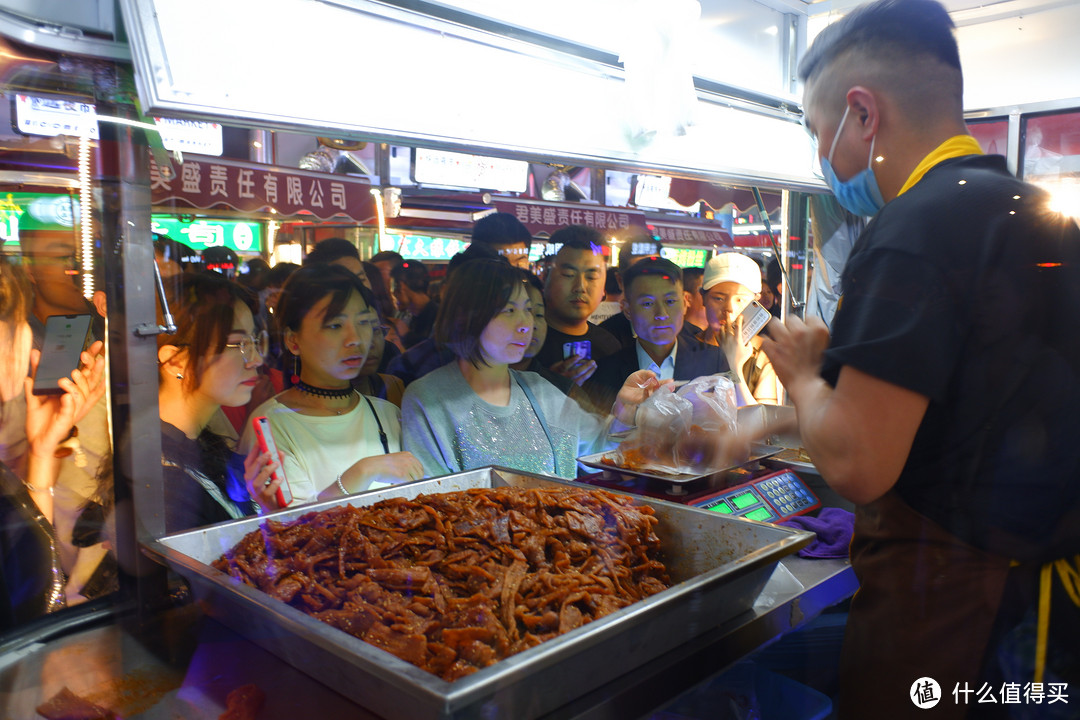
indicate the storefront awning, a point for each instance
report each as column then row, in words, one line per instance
column 689, row 192
column 208, row 184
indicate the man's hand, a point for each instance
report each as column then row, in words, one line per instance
column 577, row 368
column 796, row 350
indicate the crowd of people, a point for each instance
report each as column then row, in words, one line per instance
column 368, row 373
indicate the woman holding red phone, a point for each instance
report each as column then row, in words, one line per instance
column 334, row 441
column 211, row 361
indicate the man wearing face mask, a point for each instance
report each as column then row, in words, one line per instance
column 944, row 404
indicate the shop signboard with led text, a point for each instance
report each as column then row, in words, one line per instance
column 245, row 237
column 35, row 211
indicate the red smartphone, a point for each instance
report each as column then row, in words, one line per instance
column 267, row 444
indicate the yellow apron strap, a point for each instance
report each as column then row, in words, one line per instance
column 1043, row 628
column 1069, row 572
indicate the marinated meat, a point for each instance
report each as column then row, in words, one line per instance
column 66, row 705
column 454, row 582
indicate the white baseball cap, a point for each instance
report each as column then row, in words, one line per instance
column 732, row 267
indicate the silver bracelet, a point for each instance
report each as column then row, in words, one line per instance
column 341, row 485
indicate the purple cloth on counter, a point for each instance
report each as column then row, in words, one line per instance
column 833, row 527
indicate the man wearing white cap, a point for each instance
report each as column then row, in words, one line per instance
column 731, row 282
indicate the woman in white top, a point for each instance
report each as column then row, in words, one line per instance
column 334, row 441
column 475, row 411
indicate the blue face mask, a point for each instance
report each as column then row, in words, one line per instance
column 860, row 194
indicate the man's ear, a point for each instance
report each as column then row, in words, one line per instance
column 624, row 305
column 865, row 110
column 99, row 302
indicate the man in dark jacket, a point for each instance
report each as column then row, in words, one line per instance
column 654, row 300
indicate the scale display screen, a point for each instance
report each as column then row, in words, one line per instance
column 745, row 500
column 772, row 498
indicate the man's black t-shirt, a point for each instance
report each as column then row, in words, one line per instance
column 603, row 344
column 966, row 289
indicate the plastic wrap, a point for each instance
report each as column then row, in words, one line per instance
column 678, row 431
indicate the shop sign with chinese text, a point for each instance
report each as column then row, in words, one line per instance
column 543, row 218
column 247, row 187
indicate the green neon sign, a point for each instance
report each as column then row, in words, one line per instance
column 423, row 247
column 35, row 211
column 236, row 235
column 686, row 257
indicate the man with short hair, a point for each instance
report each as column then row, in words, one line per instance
column 573, row 289
column 386, row 260
column 695, row 320
column 409, row 285
column 654, row 300
column 633, row 244
column 945, row 403
column 338, row 251
column 506, row 235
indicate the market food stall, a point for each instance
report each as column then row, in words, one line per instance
column 147, row 650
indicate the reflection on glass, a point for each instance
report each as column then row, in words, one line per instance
column 1051, row 157
column 993, row 135
column 57, row 494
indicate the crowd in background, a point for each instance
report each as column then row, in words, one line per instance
column 368, row 372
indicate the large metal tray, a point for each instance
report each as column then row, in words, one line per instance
column 758, row 451
column 718, row 565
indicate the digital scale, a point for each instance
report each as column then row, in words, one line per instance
column 772, row 498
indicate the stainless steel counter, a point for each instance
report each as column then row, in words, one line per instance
column 185, row 666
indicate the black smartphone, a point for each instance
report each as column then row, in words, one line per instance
column 581, row 348
column 65, row 336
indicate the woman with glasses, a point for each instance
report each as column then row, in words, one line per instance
column 211, row 361
column 334, row 440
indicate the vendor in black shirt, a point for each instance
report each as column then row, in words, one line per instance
column 945, row 403
column 573, row 289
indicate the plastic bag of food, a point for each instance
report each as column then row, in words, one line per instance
column 677, row 431
column 714, row 414
column 663, row 417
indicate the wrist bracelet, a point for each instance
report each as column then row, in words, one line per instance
column 341, row 485
column 31, row 488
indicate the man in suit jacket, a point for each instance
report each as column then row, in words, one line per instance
column 653, row 297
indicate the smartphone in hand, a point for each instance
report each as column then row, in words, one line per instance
column 267, row 445
column 581, row 348
column 65, row 336
column 754, row 318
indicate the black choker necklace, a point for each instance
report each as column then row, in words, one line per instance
column 334, row 394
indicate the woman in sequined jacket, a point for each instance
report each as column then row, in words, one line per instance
column 476, row 411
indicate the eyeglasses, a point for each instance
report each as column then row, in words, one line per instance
column 253, row 347
column 70, row 263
